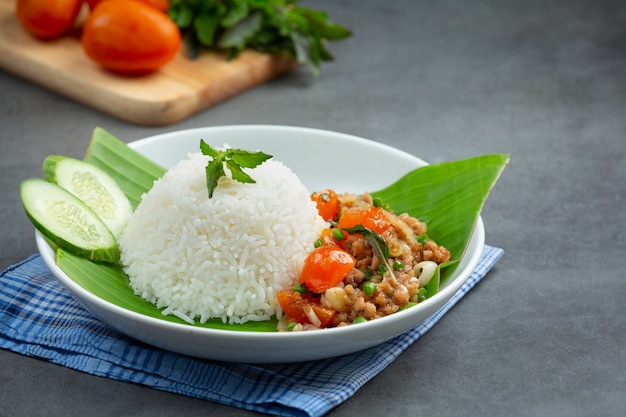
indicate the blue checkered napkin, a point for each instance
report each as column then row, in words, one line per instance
column 39, row 318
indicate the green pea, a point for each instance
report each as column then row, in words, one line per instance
column 338, row 234
column 397, row 265
column 369, row 287
column 359, row 320
column 421, row 294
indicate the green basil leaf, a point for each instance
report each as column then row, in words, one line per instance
column 205, row 26
column 236, row 36
column 236, row 13
column 237, row 173
column 248, row 159
column 321, row 27
column 206, row 149
column 214, row 171
column 182, row 16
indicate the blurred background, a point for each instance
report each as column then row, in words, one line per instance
column 544, row 81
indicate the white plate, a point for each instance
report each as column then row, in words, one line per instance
column 321, row 159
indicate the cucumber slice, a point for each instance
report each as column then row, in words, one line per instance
column 93, row 186
column 66, row 221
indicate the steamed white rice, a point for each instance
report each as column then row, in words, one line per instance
column 225, row 257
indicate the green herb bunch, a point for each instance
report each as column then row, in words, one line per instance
column 263, row 25
column 234, row 159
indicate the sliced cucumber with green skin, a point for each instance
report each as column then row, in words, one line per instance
column 97, row 189
column 65, row 220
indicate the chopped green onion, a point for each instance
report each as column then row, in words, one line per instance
column 369, row 287
column 377, row 202
column 382, row 269
column 318, row 243
column 291, row 326
column 359, row 320
column 367, row 274
column 300, row 288
column 423, row 238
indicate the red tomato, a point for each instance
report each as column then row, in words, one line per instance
column 294, row 304
column 371, row 217
column 161, row 5
column 325, row 267
column 47, row 19
column 130, row 37
column 327, row 204
column 92, row 3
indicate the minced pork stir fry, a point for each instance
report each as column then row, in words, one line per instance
column 368, row 264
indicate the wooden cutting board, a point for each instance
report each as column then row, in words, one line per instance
column 181, row 88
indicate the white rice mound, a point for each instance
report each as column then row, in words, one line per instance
column 225, row 257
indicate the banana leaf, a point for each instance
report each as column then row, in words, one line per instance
column 448, row 197
column 110, row 283
column 133, row 172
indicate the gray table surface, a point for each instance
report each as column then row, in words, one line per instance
column 544, row 333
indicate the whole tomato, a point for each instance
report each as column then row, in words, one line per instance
column 130, row 37
column 161, row 5
column 47, row 19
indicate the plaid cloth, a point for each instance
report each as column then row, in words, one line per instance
column 40, row 318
